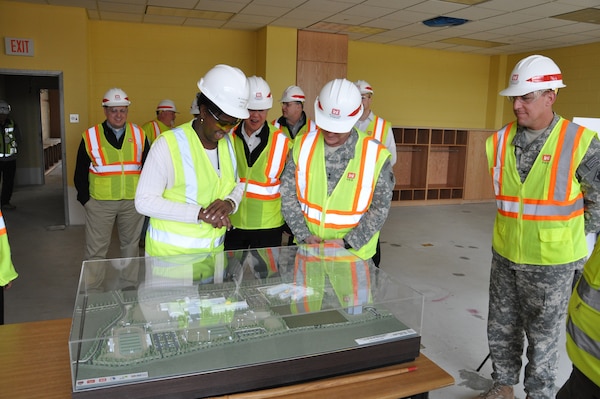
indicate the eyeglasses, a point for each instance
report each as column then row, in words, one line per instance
column 529, row 97
column 223, row 124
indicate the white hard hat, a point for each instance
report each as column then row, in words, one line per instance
column 4, row 107
column 260, row 94
column 535, row 72
column 292, row 93
column 115, row 98
column 194, row 109
column 364, row 87
column 227, row 87
column 338, row 106
column 166, row 105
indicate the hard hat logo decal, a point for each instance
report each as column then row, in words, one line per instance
column 335, row 111
column 545, row 78
column 515, row 77
column 258, row 96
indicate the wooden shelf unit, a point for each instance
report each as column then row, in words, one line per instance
column 432, row 164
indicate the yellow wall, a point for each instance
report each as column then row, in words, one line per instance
column 417, row 87
column 153, row 62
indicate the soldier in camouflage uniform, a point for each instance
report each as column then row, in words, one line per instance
column 544, row 169
column 333, row 156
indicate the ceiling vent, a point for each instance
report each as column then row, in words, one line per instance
column 442, row 22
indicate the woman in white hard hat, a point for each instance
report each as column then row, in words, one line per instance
column 347, row 194
column 544, row 170
column 189, row 185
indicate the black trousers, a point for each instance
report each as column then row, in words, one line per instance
column 244, row 239
column 578, row 386
column 7, row 176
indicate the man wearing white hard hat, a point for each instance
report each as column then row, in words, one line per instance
column 9, row 145
column 545, row 171
column 166, row 113
column 189, row 186
column 337, row 186
column 109, row 163
column 293, row 120
column 372, row 124
column 261, row 151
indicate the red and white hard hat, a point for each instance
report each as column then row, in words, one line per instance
column 535, row 72
column 292, row 93
column 364, row 87
column 115, row 98
column 338, row 106
column 166, row 105
column 227, row 87
column 260, row 94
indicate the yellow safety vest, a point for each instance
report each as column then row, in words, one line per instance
column 583, row 332
column 113, row 172
column 331, row 217
column 197, row 182
column 153, row 129
column 308, row 127
column 378, row 129
column 260, row 207
column 7, row 269
column 9, row 144
column 540, row 221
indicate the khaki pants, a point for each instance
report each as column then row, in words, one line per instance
column 100, row 218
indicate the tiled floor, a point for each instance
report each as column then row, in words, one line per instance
column 442, row 251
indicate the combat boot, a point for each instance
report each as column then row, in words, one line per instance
column 497, row 391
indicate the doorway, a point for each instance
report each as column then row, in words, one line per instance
column 36, row 99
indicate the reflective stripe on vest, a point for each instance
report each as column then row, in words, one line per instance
column 155, row 129
column 308, row 127
column 362, row 197
column 268, row 186
column 9, row 144
column 583, row 338
column 99, row 165
column 378, row 128
column 557, row 205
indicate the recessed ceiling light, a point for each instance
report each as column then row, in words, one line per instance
column 463, row 41
column 183, row 12
column 589, row 15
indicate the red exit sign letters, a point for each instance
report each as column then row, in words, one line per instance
column 18, row 46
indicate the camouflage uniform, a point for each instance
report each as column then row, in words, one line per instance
column 335, row 163
column 533, row 298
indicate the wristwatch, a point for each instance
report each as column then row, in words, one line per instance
column 346, row 245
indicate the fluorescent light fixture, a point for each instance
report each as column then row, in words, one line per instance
column 182, row 12
column 462, row 41
column 589, row 15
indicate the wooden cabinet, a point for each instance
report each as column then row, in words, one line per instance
column 436, row 165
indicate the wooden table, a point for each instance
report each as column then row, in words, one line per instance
column 34, row 361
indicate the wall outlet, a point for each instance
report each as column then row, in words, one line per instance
column 74, row 118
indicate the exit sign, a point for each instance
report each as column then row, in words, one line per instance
column 17, row 46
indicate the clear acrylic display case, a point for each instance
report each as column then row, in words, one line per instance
column 194, row 326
